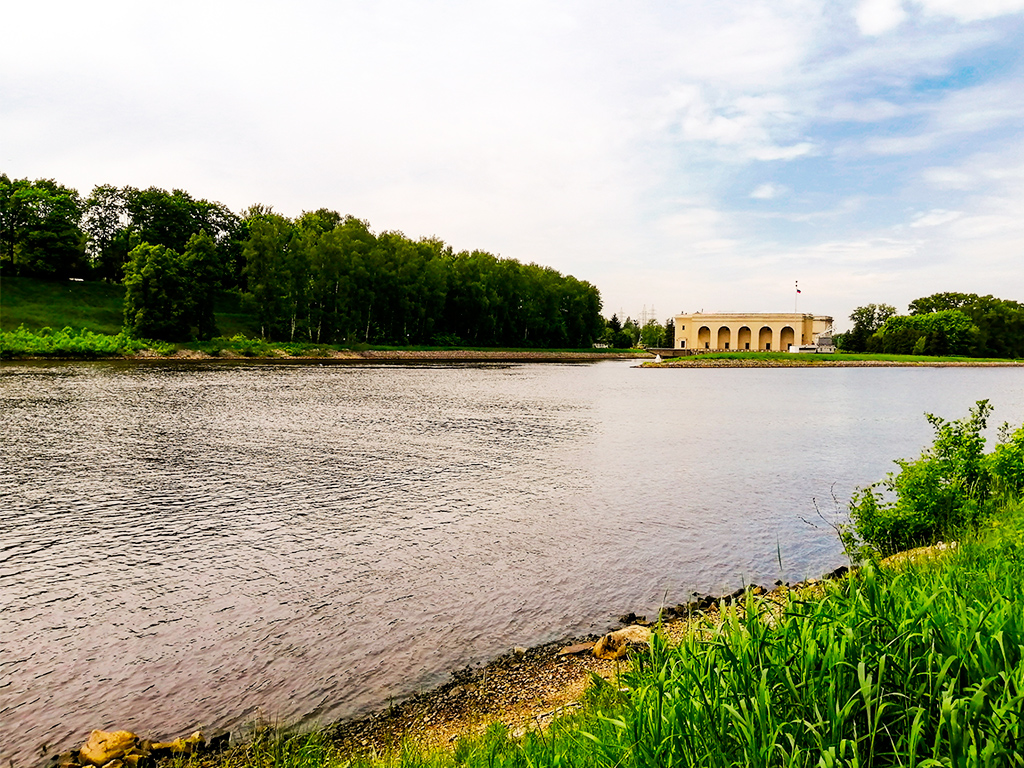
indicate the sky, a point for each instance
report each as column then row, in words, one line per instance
column 681, row 156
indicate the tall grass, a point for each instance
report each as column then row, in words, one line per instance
column 68, row 342
column 919, row 666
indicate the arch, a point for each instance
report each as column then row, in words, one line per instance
column 743, row 338
column 704, row 337
column 787, row 336
column 724, row 336
column 764, row 338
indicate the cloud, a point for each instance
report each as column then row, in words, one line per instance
column 935, row 218
column 876, row 17
column 768, row 191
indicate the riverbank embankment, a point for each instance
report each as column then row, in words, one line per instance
column 809, row 361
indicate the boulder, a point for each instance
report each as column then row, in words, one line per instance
column 615, row 644
column 104, row 747
column 572, row 650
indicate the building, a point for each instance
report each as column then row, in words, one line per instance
column 762, row 331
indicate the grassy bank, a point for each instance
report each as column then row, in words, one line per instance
column 96, row 306
column 795, row 359
column 910, row 661
column 916, row 665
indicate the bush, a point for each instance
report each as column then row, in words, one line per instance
column 947, row 488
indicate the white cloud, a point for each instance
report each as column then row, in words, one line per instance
column 935, row 218
column 768, row 191
column 971, row 10
column 876, row 17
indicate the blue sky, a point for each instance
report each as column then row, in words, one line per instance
column 679, row 155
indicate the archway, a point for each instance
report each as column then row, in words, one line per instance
column 764, row 338
column 743, row 338
column 704, row 337
column 724, row 335
column 787, row 336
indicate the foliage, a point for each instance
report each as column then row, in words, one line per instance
column 39, row 229
column 947, row 331
column 866, row 320
column 652, row 334
column 921, row 666
column 156, row 294
column 321, row 278
column 948, row 488
column 66, row 343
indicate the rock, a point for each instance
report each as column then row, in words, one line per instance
column 67, row 760
column 572, row 650
column 614, row 645
column 114, row 764
column 219, row 741
column 103, row 747
column 632, row 618
column 137, row 760
column 838, row 573
column 519, row 650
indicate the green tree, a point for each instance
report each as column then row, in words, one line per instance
column 156, row 294
column 652, row 334
column 39, row 229
column 200, row 266
column 866, row 320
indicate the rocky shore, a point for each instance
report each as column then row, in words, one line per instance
column 406, row 355
column 523, row 689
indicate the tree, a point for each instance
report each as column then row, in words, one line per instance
column 200, row 266
column 938, row 302
column 156, row 298
column 652, row 334
column 39, row 228
column 866, row 320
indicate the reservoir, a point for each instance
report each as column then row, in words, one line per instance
column 205, row 544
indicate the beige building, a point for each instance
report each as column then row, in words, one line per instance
column 763, row 331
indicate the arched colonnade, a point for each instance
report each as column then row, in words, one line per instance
column 720, row 336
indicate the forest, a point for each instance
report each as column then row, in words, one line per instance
column 320, row 277
column 946, row 323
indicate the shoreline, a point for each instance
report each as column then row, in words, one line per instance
column 698, row 362
column 356, row 357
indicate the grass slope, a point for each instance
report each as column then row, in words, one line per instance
column 817, row 359
column 39, row 304
column 95, row 306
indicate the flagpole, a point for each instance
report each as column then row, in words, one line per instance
column 796, row 296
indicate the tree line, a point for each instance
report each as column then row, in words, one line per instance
column 320, row 277
column 941, row 324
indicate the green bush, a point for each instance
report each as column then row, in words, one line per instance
column 66, row 342
column 948, row 488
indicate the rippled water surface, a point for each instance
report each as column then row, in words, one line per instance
column 208, row 544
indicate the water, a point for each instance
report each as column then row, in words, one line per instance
column 202, row 545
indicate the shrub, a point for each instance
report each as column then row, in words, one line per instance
column 947, row 488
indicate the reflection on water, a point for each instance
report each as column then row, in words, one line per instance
column 201, row 545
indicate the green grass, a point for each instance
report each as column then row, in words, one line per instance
column 96, row 306
column 38, row 304
column 813, row 359
column 920, row 666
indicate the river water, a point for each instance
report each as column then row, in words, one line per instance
column 185, row 545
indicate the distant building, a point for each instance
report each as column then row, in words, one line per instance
column 755, row 332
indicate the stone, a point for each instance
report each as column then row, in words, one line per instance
column 114, row 764
column 67, row 760
column 616, row 644
column 838, row 573
column 572, row 650
column 103, row 747
column 631, row 618
column 219, row 741
column 137, row 760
